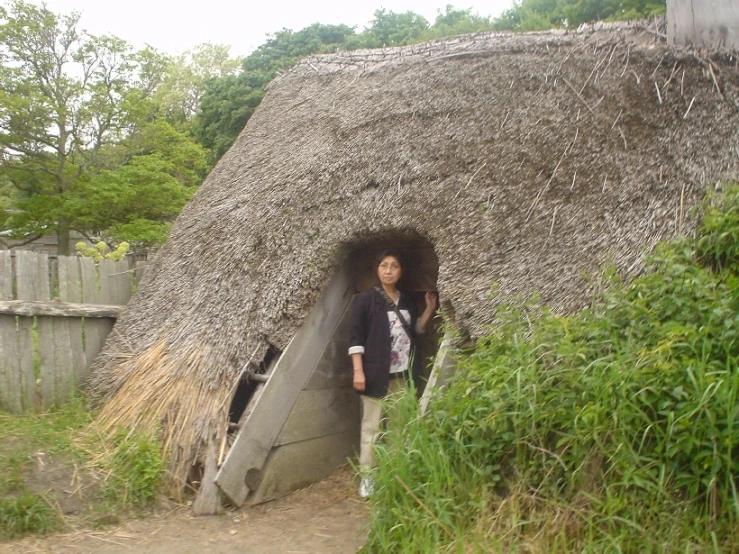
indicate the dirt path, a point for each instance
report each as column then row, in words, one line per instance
column 325, row 518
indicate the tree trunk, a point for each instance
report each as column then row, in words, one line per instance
column 62, row 237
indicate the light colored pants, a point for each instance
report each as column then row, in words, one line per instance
column 371, row 421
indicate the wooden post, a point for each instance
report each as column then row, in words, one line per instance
column 208, row 500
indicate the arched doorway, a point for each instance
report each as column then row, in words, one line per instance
column 302, row 420
column 420, row 273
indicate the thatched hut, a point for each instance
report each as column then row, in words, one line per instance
column 517, row 164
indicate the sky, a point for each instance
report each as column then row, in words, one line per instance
column 175, row 27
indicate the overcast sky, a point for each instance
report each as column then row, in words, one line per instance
column 176, row 26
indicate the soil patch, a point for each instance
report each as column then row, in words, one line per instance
column 325, row 518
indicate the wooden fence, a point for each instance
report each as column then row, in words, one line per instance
column 46, row 346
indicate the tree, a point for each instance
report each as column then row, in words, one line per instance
column 137, row 200
column 453, row 22
column 65, row 98
column 394, row 29
column 186, row 78
column 535, row 15
column 80, row 137
column 228, row 102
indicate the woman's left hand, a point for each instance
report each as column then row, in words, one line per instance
column 431, row 301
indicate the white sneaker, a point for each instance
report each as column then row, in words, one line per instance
column 366, row 487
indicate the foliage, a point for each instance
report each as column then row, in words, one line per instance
column 26, row 513
column 119, row 471
column 101, row 251
column 538, row 15
column 185, row 77
column 228, row 103
column 93, row 134
column 134, row 470
column 394, row 29
column 582, row 432
column 64, row 96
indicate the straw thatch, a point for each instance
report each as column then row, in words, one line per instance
column 527, row 161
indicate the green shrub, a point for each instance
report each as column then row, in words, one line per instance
column 615, row 429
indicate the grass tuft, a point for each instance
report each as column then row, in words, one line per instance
column 27, row 513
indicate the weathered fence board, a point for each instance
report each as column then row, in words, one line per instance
column 46, row 346
column 95, row 331
column 9, row 357
column 68, row 332
column 32, row 283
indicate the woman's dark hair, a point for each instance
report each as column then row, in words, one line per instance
column 389, row 252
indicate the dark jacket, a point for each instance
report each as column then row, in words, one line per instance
column 370, row 328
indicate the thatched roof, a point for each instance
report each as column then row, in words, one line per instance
column 528, row 161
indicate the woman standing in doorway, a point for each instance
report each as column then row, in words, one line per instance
column 384, row 325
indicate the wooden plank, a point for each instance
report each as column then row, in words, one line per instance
column 32, row 283
column 444, row 367
column 32, row 275
column 321, row 412
column 57, row 308
column 96, row 330
column 70, row 279
column 11, row 390
column 116, row 282
column 139, row 270
column 90, row 288
column 6, row 275
column 69, row 350
column 10, row 382
column 208, row 500
column 37, row 279
column 334, row 369
column 263, row 425
column 27, row 384
column 299, row 464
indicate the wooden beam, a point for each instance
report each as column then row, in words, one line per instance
column 444, row 367
column 57, row 308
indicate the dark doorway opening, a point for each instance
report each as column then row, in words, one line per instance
column 420, row 274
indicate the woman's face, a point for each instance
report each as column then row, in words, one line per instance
column 389, row 270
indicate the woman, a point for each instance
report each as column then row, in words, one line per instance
column 384, row 325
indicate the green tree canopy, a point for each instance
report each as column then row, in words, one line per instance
column 78, row 115
column 537, row 15
column 228, row 102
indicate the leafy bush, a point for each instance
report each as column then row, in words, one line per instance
column 101, row 251
column 614, row 429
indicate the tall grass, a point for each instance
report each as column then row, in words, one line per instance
column 616, row 429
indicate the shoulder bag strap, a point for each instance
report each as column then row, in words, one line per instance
column 394, row 306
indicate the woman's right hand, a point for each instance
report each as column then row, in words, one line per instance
column 359, row 382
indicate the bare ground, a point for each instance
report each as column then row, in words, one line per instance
column 326, row 518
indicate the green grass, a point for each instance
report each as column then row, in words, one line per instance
column 121, row 472
column 27, row 513
column 613, row 430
